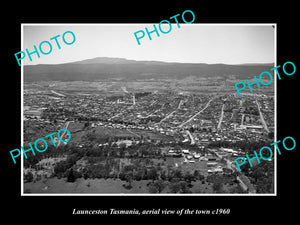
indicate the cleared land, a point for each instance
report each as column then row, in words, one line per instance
column 103, row 133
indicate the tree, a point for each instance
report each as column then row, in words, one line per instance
column 163, row 175
column 236, row 189
column 177, row 174
column 86, row 124
column 217, row 187
column 174, row 187
column 258, row 173
column 271, row 135
column 138, row 175
column 157, row 186
column 71, row 177
column 128, row 178
column 122, row 146
column 196, row 174
column 179, row 186
column 60, row 168
column 28, row 177
column 188, row 177
column 152, row 174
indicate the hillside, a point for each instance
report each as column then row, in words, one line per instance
column 105, row 68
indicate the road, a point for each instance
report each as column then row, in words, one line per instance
column 244, row 180
column 170, row 114
column 262, row 117
column 121, row 112
column 191, row 137
column 221, row 117
column 180, row 103
column 133, row 132
column 59, row 94
column 152, row 113
column 153, row 102
column 242, row 121
column 196, row 113
column 231, row 165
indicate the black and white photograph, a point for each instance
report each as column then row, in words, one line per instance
column 144, row 112
column 141, row 109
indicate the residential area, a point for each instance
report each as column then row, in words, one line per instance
column 174, row 137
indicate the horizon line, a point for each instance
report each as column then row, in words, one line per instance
column 232, row 64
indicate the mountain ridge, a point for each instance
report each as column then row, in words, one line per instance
column 120, row 60
column 105, row 67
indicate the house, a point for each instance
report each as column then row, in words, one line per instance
column 202, row 158
column 197, row 156
column 185, row 151
column 210, row 164
column 218, row 170
column 222, row 155
column 215, row 170
column 189, row 157
column 211, row 158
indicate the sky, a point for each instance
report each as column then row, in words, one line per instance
column 191, row 43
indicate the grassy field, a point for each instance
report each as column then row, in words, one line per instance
column 101, row 186
column 102, row 133
column 108, row 186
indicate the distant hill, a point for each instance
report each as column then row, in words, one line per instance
column 105, row 60
column 104, row 68
column 109, row 60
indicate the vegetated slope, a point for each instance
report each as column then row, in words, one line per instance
column 105, row 68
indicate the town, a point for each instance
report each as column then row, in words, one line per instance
column 178, row 142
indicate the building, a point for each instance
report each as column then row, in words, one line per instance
column 185, row 151
column 211, row 158
column 211, row 164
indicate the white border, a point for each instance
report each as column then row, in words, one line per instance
column 275, row 108
column 147, row 194
column 22, row 112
